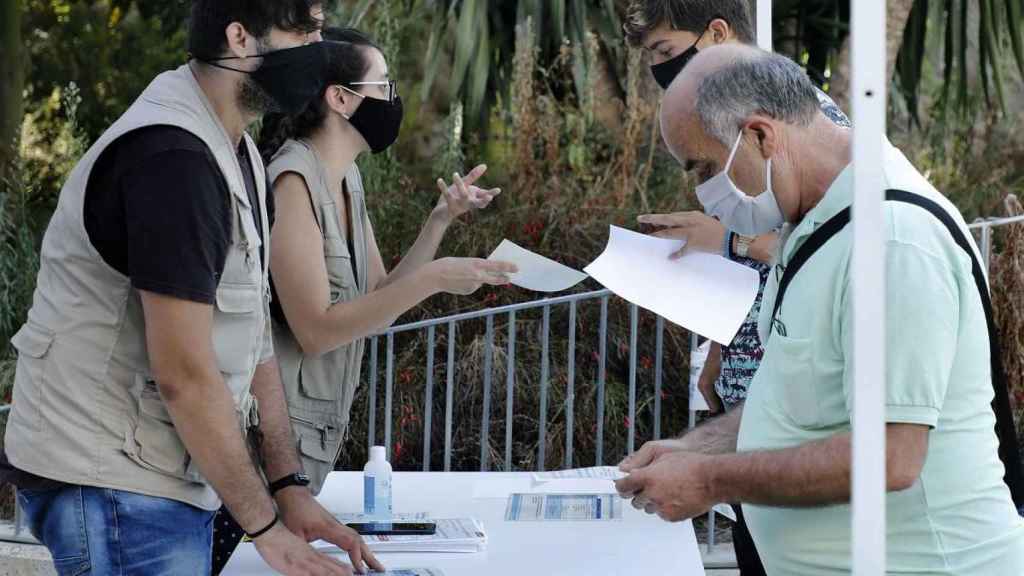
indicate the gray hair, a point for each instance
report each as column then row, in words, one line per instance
column 764, row 83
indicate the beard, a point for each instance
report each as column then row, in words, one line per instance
column 253, row 98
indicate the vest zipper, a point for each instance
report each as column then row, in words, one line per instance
column 323, row 429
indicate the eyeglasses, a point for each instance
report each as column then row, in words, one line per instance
column 390, row 88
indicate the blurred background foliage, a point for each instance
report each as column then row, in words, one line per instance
column 562, row 110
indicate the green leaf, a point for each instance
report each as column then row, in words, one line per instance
column 466, row 40
column 1013, row 28
column 433, row 58
column 481, row 67
column 359, row 13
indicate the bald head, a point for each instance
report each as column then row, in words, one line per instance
column 725, row 85
column 678, row 108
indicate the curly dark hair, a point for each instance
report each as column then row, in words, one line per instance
column 348, row 62
column 209, row 19
column 643, row 16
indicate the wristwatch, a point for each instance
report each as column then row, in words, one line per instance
column 297, row 479
column 743, row 245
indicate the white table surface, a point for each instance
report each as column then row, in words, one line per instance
column 636, row 545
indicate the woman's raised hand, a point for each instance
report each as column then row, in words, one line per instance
column 463, row 195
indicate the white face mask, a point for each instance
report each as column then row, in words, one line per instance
column 747, row 215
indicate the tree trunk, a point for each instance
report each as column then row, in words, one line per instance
column 896, row 22
column 11, row 75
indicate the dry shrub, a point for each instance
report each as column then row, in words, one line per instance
column 1008, row 304
column 524, row 109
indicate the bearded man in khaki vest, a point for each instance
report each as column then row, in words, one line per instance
column 147, row 358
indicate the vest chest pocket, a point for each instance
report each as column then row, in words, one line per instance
column 238, row 320
column 790, row 364
column 339, row 266
column 321, row 378
column 244, row 264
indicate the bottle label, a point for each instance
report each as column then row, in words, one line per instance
column 369, row 495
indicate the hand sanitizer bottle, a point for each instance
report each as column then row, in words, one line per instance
column 377, row 485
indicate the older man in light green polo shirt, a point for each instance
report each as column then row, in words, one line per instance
column 786, row 455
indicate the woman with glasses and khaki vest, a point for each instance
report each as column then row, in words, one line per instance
column 332, row 289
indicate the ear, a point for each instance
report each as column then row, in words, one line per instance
column 719, row 31
column 763, row 129
column 338, row 100
column 239, row 43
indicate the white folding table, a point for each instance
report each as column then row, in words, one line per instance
column 637, row 544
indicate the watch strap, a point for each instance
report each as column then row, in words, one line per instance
column 297, row 479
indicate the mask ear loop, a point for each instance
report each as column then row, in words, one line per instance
column 732, row 153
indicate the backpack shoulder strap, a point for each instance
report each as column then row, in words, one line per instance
column 1005, row 428
column 819, row 238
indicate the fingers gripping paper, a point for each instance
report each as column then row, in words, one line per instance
column 701, row 292
column 535, row 271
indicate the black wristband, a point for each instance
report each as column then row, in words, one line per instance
column 268, row 528
column 728, row 252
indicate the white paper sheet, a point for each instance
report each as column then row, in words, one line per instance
column 410, row 572
column 563, row 507
column 536, row 272
column 573, row 486
column 603, row 472
column 725, row 510
column 701, row 292
column 500, row 487
column 698, row 358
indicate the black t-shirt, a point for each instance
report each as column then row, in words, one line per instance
column 157, row 209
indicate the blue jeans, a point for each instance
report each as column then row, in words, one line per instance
column 100, row 532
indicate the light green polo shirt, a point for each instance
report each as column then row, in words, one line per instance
column 958, row 519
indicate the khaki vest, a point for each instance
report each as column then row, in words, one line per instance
column 320, row 389
column 86, row 409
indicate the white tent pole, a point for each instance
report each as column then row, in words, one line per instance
column 764, row 24
column 869, row 98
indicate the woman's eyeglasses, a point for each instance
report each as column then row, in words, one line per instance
column 390, row 88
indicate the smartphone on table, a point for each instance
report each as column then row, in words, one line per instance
column 394, row 528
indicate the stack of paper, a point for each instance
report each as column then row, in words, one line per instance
column 563, row 507
column 456, row 535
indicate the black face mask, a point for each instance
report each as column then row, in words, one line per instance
column 667, row 71
column 291, row 77
column 378, row 121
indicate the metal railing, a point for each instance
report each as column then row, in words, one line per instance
column 451, row 323
column 983, row 228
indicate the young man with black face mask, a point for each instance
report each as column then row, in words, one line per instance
column 147, row 356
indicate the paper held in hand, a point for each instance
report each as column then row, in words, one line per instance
column 536, row 272
column 704, row 293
